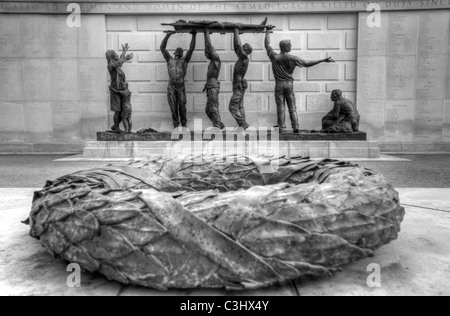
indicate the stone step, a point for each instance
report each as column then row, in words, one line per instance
column 313, row 149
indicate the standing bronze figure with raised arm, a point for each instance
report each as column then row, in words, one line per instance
column 177, row 67
column 239, row 83
column 283, row 66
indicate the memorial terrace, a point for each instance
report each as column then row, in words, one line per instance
column 54, row 94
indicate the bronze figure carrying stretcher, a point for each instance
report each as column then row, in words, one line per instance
column 182, row 26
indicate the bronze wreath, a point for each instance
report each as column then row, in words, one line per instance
column 176, row 223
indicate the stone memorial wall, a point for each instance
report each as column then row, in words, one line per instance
column 54, row 96
column 53, row 92
column 403, row 80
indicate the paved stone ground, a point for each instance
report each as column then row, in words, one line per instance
column 418, row 263
column 31, row 171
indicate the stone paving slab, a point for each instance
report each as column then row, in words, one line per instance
column 418, row 263
column 426, row 198
column 26, row 268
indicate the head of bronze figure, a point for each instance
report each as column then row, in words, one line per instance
column 285, row 46
column 247, row 49
column 124, row 85
column 336, row 95
column 179, row 52
column 111, row 55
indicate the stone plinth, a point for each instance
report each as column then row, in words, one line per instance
column 313, row 149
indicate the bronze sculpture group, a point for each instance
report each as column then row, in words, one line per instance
column 343, row 119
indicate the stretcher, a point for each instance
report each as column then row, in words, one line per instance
column 182, row 26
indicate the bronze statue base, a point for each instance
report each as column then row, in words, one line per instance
column 167, row 136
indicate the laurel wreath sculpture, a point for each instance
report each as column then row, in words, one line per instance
column 176, row 223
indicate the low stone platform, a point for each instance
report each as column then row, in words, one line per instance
column 312, row 149
column 207, row 136
column 111, row 145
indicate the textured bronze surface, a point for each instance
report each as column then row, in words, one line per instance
column 178, row 223
column 120, row 95
column 283, row 66
column 182, row 26
column 177, row 68
column 240, row 84
column 167, row 136
column 344, row 118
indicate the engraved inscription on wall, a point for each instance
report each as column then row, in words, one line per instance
column 410, row 49
column 193, row 7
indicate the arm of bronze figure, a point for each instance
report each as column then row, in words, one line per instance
column 192, row 48
column 312, row 63
column 124, row 57
column 117, row 63
column 125, row 49
column 209, row 46
column 163, row 47
column 269, row 48
column 337, row 110
column 237, row 43
column 112, row 89
column 341, row 118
